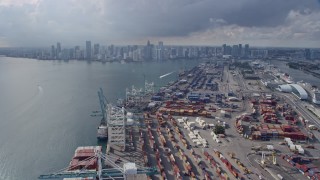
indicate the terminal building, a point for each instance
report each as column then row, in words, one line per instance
column 294, row 89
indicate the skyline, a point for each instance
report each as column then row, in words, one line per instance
column 158, row 52
column 270, row 23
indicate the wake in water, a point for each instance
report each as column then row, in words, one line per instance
column 166, row 75
column 40, row 89
column 30, row 103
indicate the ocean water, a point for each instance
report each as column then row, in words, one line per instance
column 45, row 107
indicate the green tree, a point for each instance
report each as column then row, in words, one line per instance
column 219, row 129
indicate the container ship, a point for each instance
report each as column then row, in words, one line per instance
column 82, row 158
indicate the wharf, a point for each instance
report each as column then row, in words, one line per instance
column 219, row 97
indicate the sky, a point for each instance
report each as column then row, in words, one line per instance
column 279, row 23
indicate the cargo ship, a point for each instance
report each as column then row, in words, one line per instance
column 84, row 158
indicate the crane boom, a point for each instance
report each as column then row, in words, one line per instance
column 114, row 172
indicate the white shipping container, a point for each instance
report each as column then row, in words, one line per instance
column 204, row 141
column 298, row 146
column 292, row 147
column 287, row 140
column 301, row 151
column 270, row 147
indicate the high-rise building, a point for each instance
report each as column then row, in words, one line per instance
column 160, row 51
column 246, row 51
column 240, row 51
column 111, row 51
column 148, row 52
column 224, row 49
column 77, row 53
column 88, row 50
column 58, row 53
column 53, row 52
column 228, row 50
column 96, row 49
column 235, row 51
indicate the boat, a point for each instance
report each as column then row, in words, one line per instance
column 286, row 78
column 83, row 158
column 316, row 97
column 102, row 131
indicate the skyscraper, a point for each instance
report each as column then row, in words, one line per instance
column 224, row 49
column 246, row 51
column 53, row 52
column 160, row 51
column 77, row 52
column 58, row 54
column 148, row 52
column 96, row 50
column 240, row 51
column 235, row 51
column 88, row 50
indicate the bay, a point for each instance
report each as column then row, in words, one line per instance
column 45, row 107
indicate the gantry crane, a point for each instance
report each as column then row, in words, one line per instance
column 103, row 103
column 106, row 169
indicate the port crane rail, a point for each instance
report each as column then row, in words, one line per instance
column 115, row 172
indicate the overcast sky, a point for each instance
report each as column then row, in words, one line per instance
column 293, row 23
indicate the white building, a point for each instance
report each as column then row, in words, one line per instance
column 294, row 89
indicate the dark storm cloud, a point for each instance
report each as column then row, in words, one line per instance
column 266, row 13
column 179, row 18
column 42, row 22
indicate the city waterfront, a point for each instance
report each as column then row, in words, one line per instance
column 45, row 107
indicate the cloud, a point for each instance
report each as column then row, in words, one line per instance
column 18, row 2
column 44, row 22
column 300, row 28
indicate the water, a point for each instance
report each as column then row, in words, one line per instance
column 45, row 108
column 297, row 75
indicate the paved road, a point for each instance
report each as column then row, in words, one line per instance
column 291, row 99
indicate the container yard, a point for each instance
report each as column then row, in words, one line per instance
column 211, row 123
